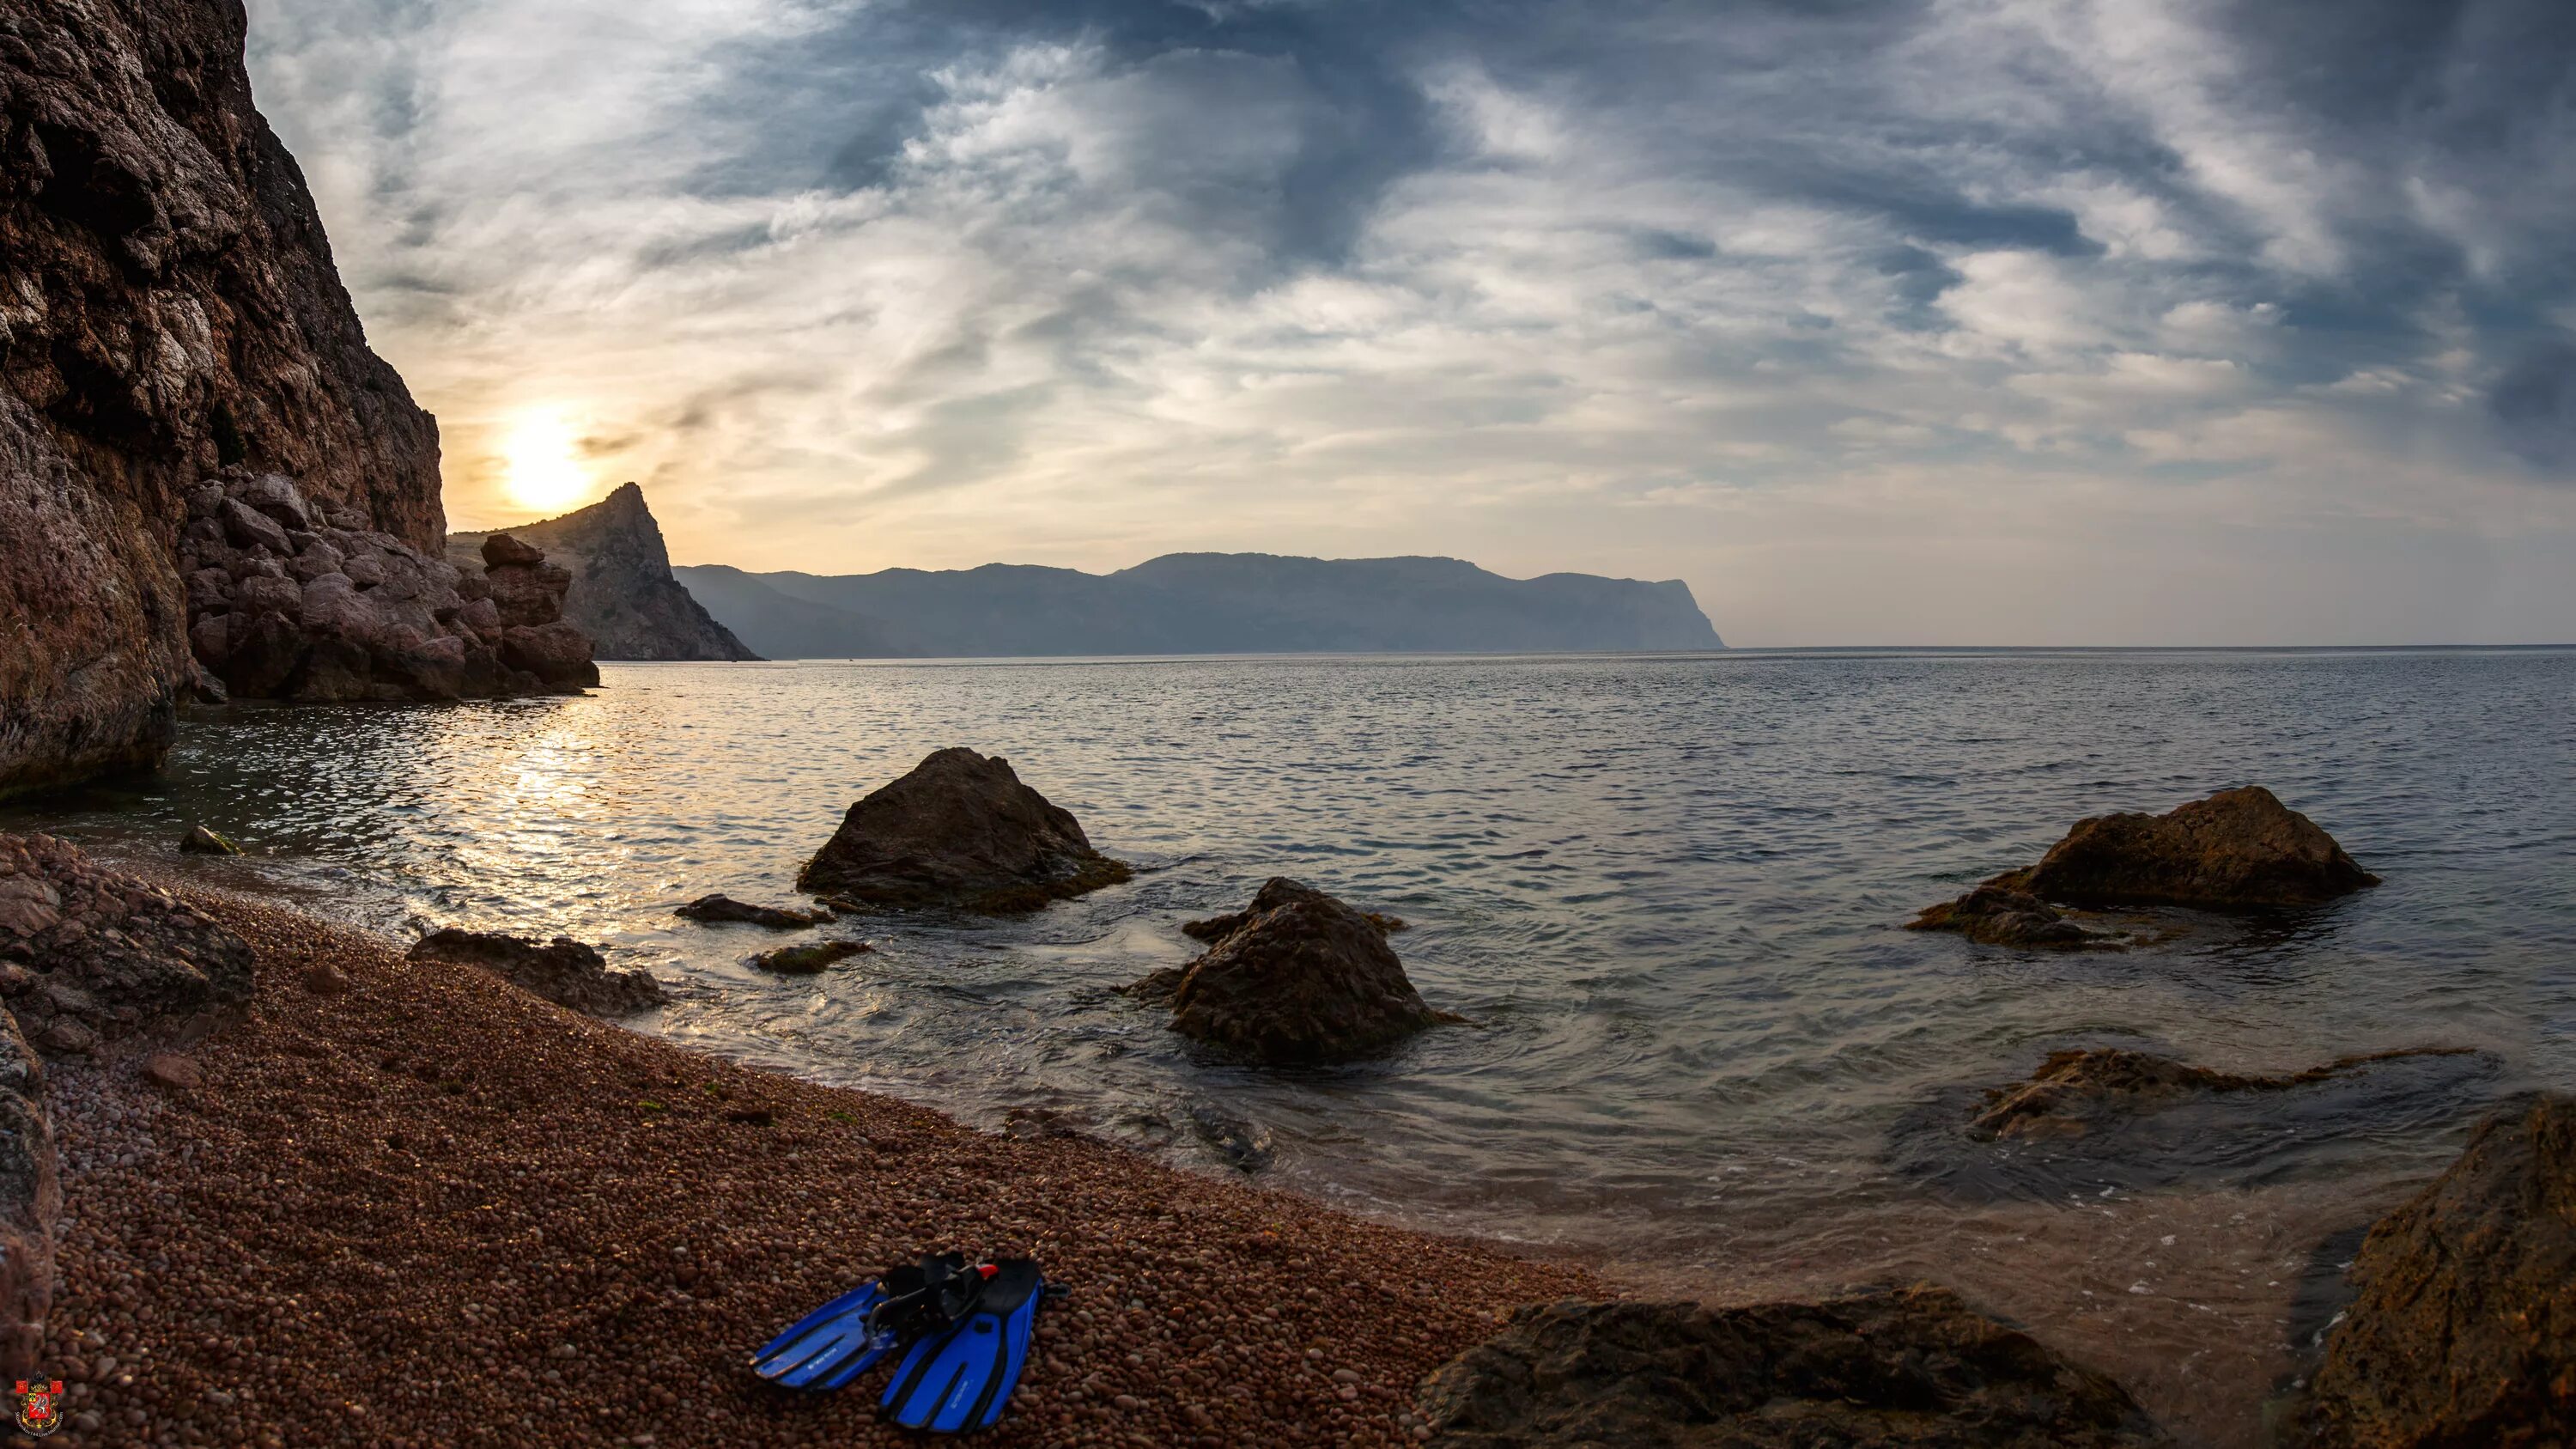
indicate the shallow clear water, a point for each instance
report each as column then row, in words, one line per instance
column 1666, row 891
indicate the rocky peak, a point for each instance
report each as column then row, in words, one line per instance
column 623, row 594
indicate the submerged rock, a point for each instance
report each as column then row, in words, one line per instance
column 2239, row 849
column 1300, row 977
column 712, row 909
column 101, row 955
column 2114, row 1118
column 1996, row 915
column 201, row 841
column 1910, row 1368
column 2464, row 1327
column 2074, row 1090
column 563, row 971
column 809, row 958
column 960, row 830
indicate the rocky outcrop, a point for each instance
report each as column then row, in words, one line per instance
column 2074, row 1091
column 31, row 1202
column 1996, row 915
column 623, row 594
column 1300, row 977
column 2464, row 1328
column 1911, row 1368
column 2239, row 849
column 962, row 831
column 168, row 309
column 563, row 971
column 808, row 959
column 89, row 954
column 285, row 602
column 712, row 909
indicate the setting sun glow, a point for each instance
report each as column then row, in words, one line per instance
column 541, row 464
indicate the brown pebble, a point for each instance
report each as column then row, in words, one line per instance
column 173, row 1071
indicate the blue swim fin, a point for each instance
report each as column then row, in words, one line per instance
column 838, row 1341
column 958, row 1380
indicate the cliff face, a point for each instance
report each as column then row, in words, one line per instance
column 623, row 593
column 168, row 309
column 1202, row 603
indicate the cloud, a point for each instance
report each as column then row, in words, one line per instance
column 2535, row 403
column 1644, row 288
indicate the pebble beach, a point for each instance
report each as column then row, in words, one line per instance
column 404, row 1203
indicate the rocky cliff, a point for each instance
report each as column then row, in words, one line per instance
column 170, row 322
column 623, row 593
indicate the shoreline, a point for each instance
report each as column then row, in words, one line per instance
column 498, row 1221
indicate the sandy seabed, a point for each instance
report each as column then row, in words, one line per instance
column 433, row 1209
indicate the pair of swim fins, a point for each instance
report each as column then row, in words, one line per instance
column 963, row 1333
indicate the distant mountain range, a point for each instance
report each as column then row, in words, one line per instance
column 1196, row 603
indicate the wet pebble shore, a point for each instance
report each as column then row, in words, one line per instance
column 419, row 1206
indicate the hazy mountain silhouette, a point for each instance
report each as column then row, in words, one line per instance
column 1197, row 603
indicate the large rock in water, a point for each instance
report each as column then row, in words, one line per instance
column 563, row 971
column 2239, row 849
column 623, row 595
column 2464, row 1330
column 171, row 309
column 1300, row 977
column 1910, row 1368
column 286, row 601
column 90, row 954
column 960, row 830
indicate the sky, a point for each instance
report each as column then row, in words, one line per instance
column 1928, row 322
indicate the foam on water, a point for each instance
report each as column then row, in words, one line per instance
column 1665, row 890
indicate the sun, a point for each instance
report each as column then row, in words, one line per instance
column 541, row 463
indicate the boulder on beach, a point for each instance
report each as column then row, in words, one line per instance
column 563, row 971
column 1891, row 1368
column 960, row 830
column 712, row 909
column 2074, row 1091
column 2463, row 1330
column 2239, row 849
column 808, row 959
column 1300, row 977
column 89, row 954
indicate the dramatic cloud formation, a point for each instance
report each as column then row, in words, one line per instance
column 1927, row 321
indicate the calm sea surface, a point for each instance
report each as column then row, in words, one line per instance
column 1665, row 890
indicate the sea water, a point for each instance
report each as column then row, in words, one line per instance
column 1666, row 893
